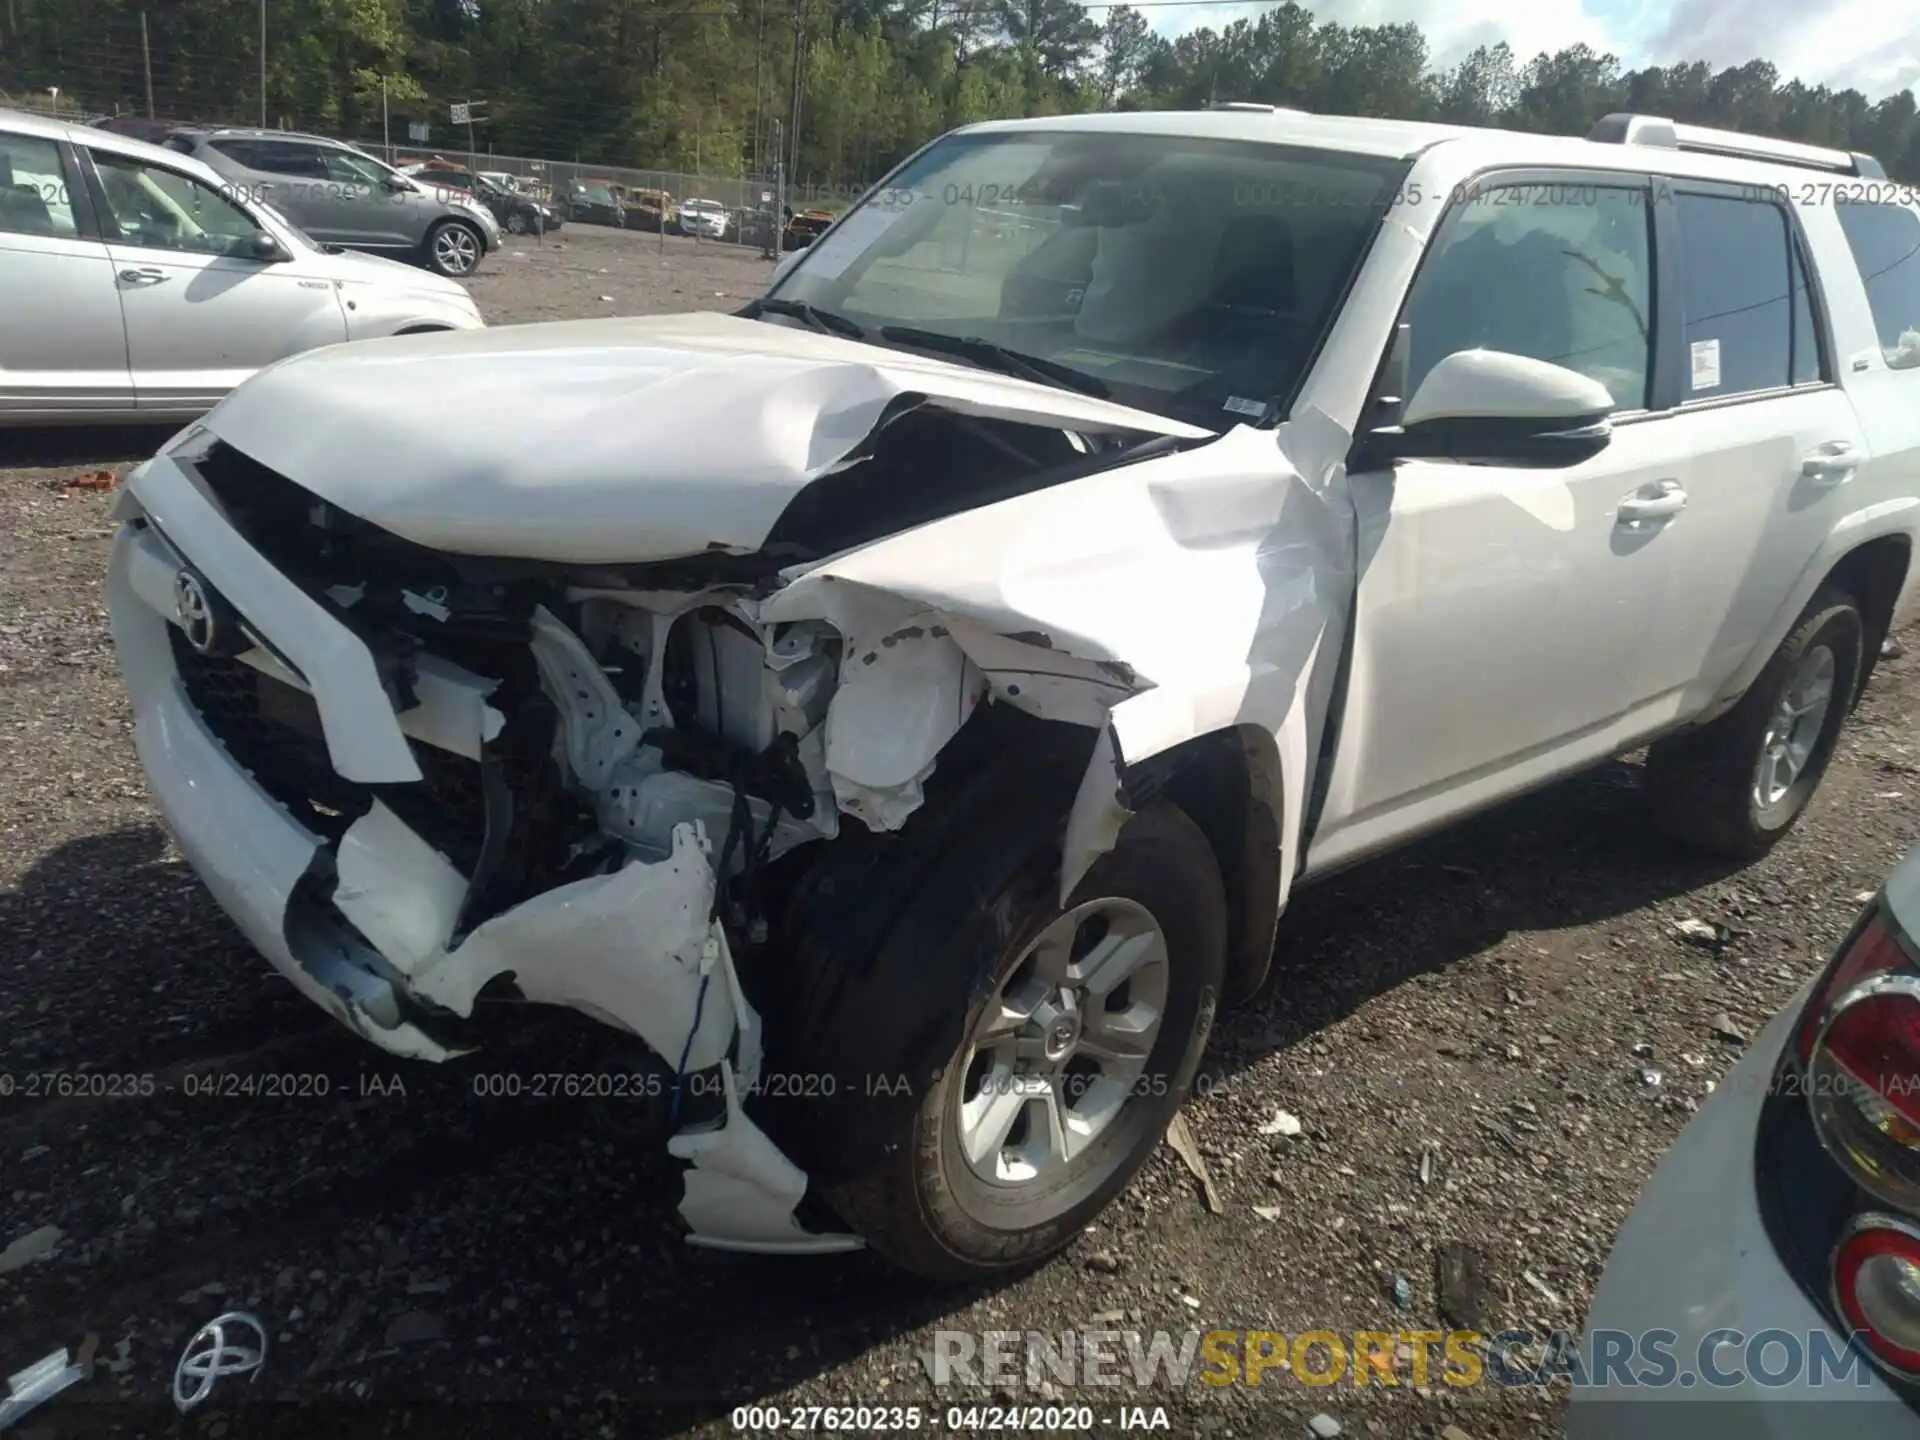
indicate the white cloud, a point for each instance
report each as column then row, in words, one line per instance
column 1873, row 45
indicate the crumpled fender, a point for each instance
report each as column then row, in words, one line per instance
column 1197, row 592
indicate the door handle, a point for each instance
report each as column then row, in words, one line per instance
column 145, row 276
column 1831, row 464
column 1657, row 501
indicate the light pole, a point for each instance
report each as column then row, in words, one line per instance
column 263, row 64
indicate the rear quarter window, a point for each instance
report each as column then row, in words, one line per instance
column 1885, row 240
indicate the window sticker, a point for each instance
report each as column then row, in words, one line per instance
column 1706, row 364
column 1241, row 405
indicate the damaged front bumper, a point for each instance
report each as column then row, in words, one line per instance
column 366, row 921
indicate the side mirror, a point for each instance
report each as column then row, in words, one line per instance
column 399, row 183
column 266, row 248
column 1500, row 409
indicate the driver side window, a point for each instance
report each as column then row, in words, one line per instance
column 164, row 210
column 346, row 169
column 1562, row 273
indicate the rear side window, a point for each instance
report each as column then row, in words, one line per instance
column 276, row 157
column 1885, row 240
column 1743, row 298
column 33, row 188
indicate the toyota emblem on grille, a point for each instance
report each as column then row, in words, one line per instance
column 231, row 1344
column 195, row 605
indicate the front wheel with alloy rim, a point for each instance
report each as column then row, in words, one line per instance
column 454, row 249
column 1736, row 785
column 1083, row 1036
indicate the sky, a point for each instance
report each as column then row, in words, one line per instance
column 1872, row 45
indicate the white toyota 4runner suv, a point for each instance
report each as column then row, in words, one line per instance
column 906, row 705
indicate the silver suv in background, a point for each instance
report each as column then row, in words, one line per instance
column 135, row 284
column 342, row 196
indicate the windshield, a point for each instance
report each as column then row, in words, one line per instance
column 596, row 194
column 1193, row 277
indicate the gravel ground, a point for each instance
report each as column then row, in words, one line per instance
column 416, row 1247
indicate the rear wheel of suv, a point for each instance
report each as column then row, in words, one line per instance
column 1054, row 1043
column 453, row 248
column 1737, row 784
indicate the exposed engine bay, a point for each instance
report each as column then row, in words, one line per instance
column 611, row 761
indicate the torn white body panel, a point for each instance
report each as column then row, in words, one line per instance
column 620, row 440
column 628, row 948
column 1198, row 592
column 635, row 949
column 741, row 1191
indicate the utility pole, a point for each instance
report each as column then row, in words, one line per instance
column 386, row 134
column 793, row 130
column 759, row 54
column 263, row 64
column 146, row 59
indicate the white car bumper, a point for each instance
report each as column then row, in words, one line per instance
column 362, row 924
column 250, row 852
column 1693, row 1259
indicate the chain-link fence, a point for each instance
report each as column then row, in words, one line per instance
column 733, row 208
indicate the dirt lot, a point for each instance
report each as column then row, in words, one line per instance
column 513, row 1266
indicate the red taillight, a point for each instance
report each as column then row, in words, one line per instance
column 1876, row 1288
column 1861, row 1049
column 1873, row 950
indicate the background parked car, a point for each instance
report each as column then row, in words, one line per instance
column 342, row 196
column 519, row 214
column 169, row 287
column 589, row 202
column 648, row 209
column 806, row 227
column 708, row 218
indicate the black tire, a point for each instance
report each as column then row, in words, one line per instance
column 443, row 240
column 890, row 1166
column 516, row 222
column 1703, row 784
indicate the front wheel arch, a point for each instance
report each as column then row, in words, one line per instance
column 1229, row 783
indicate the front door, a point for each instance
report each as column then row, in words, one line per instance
column 1502, row 612
column 62, row 346
column 203, row 311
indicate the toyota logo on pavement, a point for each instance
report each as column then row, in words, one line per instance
column 190, row 598
column 232, row 1344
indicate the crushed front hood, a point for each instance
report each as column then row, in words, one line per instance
column 601, row 441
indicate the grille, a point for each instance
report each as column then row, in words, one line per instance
column 272, row 730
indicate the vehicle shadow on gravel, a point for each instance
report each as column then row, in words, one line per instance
column 42, row 449
column 533, row 1221
column 1581, row 851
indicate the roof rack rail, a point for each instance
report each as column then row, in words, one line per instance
column 1658, row 130
column 1254, row 107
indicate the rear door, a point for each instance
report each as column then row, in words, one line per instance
column 202, row 310
column 63, row 348
column 1774, row 443
column 286, row 175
